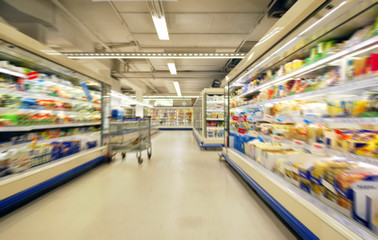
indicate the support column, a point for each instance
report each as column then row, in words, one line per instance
column 138, row 108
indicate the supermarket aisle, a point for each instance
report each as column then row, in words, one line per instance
column 181, row 193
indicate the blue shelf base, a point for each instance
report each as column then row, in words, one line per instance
column 292, row 221
column 19, row 199
column 178, row 128
column 204, row 145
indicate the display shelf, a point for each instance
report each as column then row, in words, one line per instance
column 35, row 127
column 354, row 121
column 214, row 119
column 316, row 65
column 210, row 128
column 309, row 147
column 15, row 183
column 214, row 110
column 45, row 97
column 42, row 141
column 360, row 83
column 353, row 157
column 34, row 110
column 316, row 216
column 12, row 73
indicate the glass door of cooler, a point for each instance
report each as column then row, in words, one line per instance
column 197, row 115
column 214, row 109
column 47, row 111
column 312, row 110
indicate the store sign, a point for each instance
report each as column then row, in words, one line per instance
column 163, row 103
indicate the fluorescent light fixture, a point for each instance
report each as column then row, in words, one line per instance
column 161, row 27
column 172, row 67
column 177, row 87
column 125, row 100
column 324, row 17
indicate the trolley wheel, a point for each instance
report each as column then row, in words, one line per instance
column 123, row 155
column 149, row 152
column 139, row 156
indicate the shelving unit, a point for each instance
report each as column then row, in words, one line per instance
column 50, row 126
column 53, row 119
column 171, row 118
column 209, row 118
column 304, row 100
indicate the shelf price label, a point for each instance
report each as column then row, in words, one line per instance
column 282, row 118
column 32, row 75
column 269, row 117
column 310, row 118
column 235, row 118
column 277, row 138
column 254, row 134
column 318, row 148
column 298, row 143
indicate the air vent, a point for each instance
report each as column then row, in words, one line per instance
column 279, row 8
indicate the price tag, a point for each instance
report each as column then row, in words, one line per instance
column 242, row 131
column 318, row 146
column 267, row 116
column 298, row 143
column 277, row 138
column 282, row 118
column 254, row 134
column 32, row 75
column 235, row 118
column 310, row 118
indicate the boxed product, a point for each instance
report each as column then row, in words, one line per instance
column 289, row 168
column 359, row 190
column 19, row 159
column 41, row 154
column 4, row 163
column 271, row 158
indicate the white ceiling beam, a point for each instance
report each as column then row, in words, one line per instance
column 213, row 13
column 167, row 74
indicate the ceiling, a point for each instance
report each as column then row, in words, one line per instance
column 207, row 26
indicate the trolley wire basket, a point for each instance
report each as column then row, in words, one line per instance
column 130, row 135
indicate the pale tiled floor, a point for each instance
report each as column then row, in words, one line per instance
column 181, row 193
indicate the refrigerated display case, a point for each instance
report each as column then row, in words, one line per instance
column 53, row 118
column 302, row 125
column 209, row 118
column 171, row 118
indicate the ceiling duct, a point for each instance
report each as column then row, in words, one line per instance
column 280, row 7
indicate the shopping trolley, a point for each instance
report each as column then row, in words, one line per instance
column 130, row 135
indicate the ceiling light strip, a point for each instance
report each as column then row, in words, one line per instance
column 172, row 68
column 177, row 87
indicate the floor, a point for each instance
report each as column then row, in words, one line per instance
column 181, row 193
